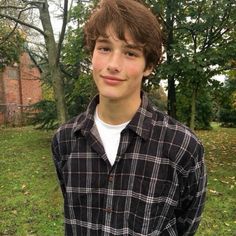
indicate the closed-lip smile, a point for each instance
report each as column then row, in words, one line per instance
column 111, row 80
column 111, row 77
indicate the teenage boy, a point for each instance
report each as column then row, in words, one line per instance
column 126, row 168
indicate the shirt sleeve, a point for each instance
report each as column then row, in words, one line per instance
column 57, row 161
column 193, row 195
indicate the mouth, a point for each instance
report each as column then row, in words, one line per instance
column 111, row 80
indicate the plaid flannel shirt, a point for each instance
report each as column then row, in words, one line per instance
column 156, row 186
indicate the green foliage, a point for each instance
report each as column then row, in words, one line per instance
column 11, row 45
column 79, row 86
column 82, row 93
column 157, row 96
column 46, row 116
column 204, row 108
column 227, row 115
column 203, row 45
column 200, row 41
column 204, row 112
column 75, row 57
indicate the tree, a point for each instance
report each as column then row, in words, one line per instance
column 53, row 48
column 11, row 45
column 75, row 64
column 198, row 44
column 77, row 58
column 227, row 114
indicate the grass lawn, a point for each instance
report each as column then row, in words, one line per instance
column 31, row 202
column 219, row 218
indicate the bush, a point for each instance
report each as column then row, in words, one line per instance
column 204, row 111
column 46, row 115
column 227, row 117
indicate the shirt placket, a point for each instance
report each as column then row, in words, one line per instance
column 123, row 145
column 108, row 208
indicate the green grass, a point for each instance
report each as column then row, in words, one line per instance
column 31, row 202
column 219, row 217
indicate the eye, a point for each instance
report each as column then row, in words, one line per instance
column 103, row 49
column 132, row 53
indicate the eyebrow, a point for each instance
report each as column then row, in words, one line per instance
column 103, row 40
column 133, row 46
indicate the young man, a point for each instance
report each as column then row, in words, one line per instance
column 125, row 168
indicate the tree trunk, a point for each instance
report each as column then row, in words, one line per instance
column 193, row 109
column 53, row 65
column 171, row 103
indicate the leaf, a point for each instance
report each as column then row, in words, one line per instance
column 214, row 192
column 23, row 186
column 224, row 182
column 14, row 212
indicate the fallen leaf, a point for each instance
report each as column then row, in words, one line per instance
column 224, row 182
column 23, row 186
column 14, row 212
column 214, row 192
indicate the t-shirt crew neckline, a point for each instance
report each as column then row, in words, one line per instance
column 110, row 136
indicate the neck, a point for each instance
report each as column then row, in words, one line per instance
column 117, row 112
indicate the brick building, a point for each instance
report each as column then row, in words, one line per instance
column 20, row 87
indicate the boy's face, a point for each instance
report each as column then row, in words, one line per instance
column 118, row 67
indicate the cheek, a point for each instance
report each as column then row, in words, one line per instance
column 97, row 63
column 135, row 71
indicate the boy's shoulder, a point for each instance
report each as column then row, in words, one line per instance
column 70, row 126
column 171, row 124
column 175, row 133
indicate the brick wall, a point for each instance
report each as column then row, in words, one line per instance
column 2, row 99
column 19, row 87
column 30, row 83
column 11, row 85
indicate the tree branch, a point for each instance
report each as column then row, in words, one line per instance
column 9, row 35
column 213, row 36
column 63, row 29
column 22, row 23
column 13, row 7
column 15, row 26
column 210, row 74
column 33, row 2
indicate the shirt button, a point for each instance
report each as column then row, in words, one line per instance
column 110, row 179
column 108, row 210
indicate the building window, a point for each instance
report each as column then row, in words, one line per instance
column 13, row 73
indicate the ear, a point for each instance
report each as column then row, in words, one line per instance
column 148, row 71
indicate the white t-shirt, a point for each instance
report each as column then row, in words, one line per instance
column 110, row 136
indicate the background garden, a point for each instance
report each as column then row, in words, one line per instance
column 196, row 84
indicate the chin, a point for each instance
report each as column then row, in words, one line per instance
column 109, row 95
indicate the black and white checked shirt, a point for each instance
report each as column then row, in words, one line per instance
column 155, row 187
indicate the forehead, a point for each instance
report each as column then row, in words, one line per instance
column 111, row 35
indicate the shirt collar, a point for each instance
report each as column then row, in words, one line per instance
column 140, row 123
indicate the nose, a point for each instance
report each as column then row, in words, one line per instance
column 115, row 62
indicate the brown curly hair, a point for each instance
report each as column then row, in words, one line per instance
column 128, row 15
